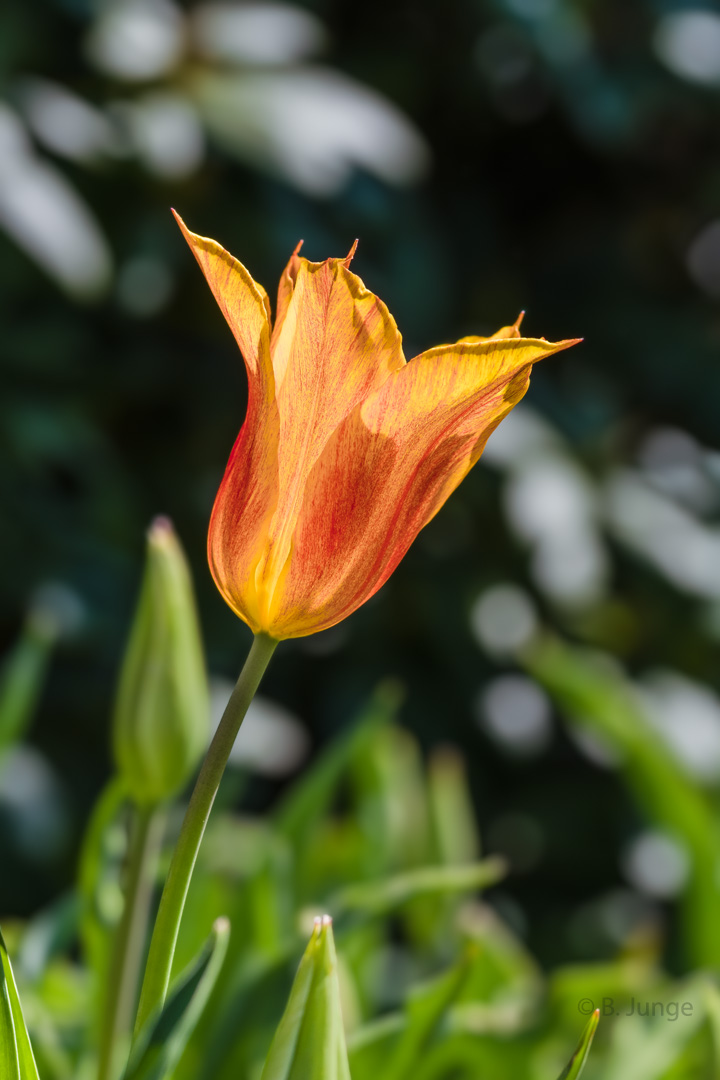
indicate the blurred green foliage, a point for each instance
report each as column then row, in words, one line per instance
column 428, row 980
column 556, row 156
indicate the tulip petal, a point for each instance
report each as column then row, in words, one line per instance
column 285, row 291
column 242, row 301
column 346, row 451
column 247, row 495
column 329, row 325
column 504, row 332
column 337, row 344
column 388, row 469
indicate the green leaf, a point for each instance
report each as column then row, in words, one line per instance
column 426, row 1012
column 453, row 814
column 712, row 1005
column 22, row 677
column 660, row 1044
column 312, row 795
column 9, row 1064
column 597, row 698
column 162, row 1041
column 391, row 800
column 101, row 899
column 377, row 897
column 309, row 1043
column 16, row 1056
column 577, row 1062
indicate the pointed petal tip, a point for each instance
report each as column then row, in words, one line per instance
column 560, row 346
column 187, row 233
column 519, row 320
column 564, row 344
column 299, row 244
column 350, row 255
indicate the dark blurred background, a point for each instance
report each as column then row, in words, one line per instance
column 556, row 156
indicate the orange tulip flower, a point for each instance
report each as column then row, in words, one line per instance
column 347, row 449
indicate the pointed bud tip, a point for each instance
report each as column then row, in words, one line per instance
column 161, row 529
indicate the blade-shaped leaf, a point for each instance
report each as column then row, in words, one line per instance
column 99, row 887
column 712, row 1005
column 377, row 897
column 577, row 1062
column 162, row 1041
column 9, row 1064
column 22, row 677
column 651, row 1048
column 426, row 1013
column 311, row 795
column 309, row 1043
column 453, row 814
column 598, row 699
column 16, row 1056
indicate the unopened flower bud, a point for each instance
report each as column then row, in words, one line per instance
column 161, row 712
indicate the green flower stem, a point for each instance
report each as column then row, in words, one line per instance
column 172, row 902
column 129, row 943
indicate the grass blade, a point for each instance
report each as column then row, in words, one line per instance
column 577, row 1062
column 16, row 1056
column 378, row 897
column 162, row 1041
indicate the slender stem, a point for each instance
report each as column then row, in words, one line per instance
column 129, row 943
column 172, row 902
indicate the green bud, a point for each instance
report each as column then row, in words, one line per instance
column 309, row 1043
column 161, row 720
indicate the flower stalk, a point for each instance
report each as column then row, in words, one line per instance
column 167, row 925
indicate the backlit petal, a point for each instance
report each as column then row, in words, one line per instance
column 247, row 496
column 285, row 290
column 504, row 332
column 389, row 468
column 242, row 301
column 346, row 451
column 337, row 344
